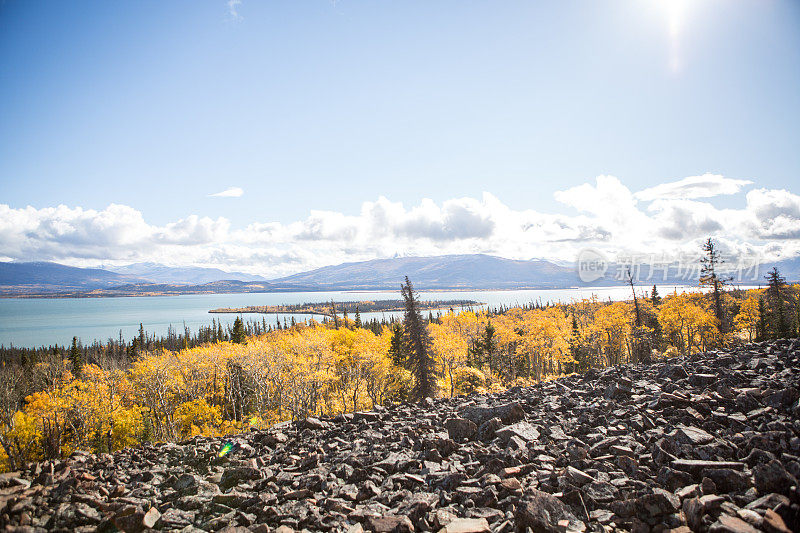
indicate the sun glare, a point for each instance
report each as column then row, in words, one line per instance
column 675, row 13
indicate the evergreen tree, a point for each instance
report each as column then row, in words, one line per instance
column 358, row 318
column 76, row 358
column 776, row 290
column 655, row 299
column 335, row 317
column 397, row 351
column 762, row 320
column 142, row 338
column 418, row 345
column 797, row 320
column 709, row 277
column 238, row 335
column 575, row 345
column 489, row 346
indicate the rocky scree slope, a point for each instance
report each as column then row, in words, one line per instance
column 706, row 443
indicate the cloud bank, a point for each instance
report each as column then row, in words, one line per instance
column 233, row 192
column 668, row 219
column 704, row 186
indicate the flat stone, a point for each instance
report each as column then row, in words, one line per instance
column 540, row 511
column 524, row 430
column 772, row 477
column 693, row 435
column 467, row 525
column 460, row 428
column 697, row 466
column 150, row 518
column 390, row 524
column 731, row 524
column 621, row 450
column 577, row 477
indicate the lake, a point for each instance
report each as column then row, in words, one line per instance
column 46, row 321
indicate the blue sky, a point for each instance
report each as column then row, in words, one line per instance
column 322, row 105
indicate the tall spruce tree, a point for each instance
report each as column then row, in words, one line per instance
column 238, row 335
column 655, row 299
column 76, row 358
column 335, row 316
column 418, row 345
column 575, row 341
column 358, row 318
column 777, row 294
column 397, row 352
column 710, row 277
column 761, row 333
column 488, row 347
column 142, row 338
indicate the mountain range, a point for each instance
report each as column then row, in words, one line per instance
column 475, row 271
column 453, row 272
column 158, row 273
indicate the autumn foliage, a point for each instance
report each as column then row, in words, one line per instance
column 326, row 369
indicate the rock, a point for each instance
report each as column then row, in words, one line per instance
column 693, row 511
column 696, row 467
column 660, row 502
column 773, row 477
column 511, row 484
column 600, row 492
column 544, row 513
column 728, row 479
column 507, row 413
column 467, row 525
column 616, row 391
column 768, row 501
column 577, row 477
column 150, row 518
column 390, row 524
column 621, row 450
column 693, row 436
column 774, row 523
column 703, row 380
column 525, row 431
column 232, row 476
column 313, row 423
column 130, row 522
column 460, row 428
column 731, row 524
column 185, row 483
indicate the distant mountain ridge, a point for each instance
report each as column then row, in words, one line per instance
column 447, row 272
column 42, row 275
column 158, row 273
column 41, row 278
column 473, row 271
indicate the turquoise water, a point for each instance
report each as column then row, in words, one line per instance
column 46, row 321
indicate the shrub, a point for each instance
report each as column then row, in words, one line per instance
column 197, row 417
column 468, row 380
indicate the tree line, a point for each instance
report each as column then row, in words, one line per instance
column 254, row 374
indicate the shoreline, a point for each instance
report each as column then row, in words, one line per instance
column 161, row 294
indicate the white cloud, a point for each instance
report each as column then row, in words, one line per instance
column 705, row 186
column 233, row 192
column 609, row 217
column 233, row 9
column 775, row 213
